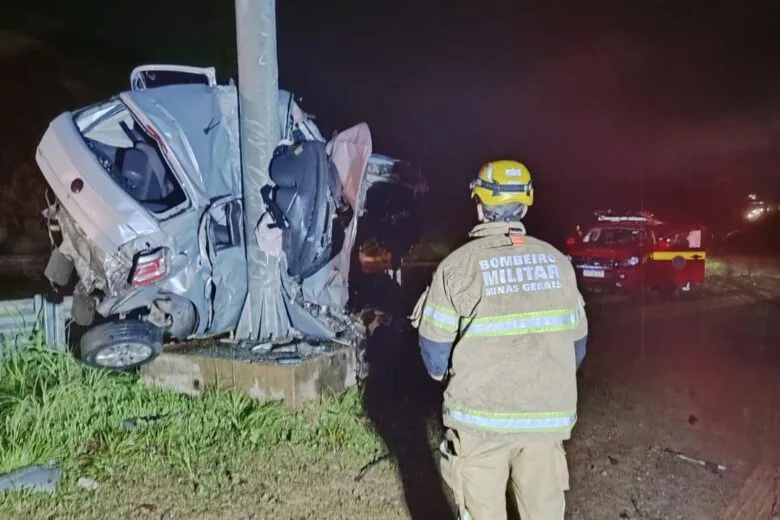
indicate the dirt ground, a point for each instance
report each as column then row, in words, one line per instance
column 696, row 376
column 665, row 381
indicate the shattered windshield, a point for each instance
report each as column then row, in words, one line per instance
column 129, row 155
column 614, row 236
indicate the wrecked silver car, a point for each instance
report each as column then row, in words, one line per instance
column 148, row 213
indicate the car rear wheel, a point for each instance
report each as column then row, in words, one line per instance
column 121, row 345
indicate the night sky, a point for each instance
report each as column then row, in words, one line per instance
column 638, row 90
column 597, row 90
column 578, row 90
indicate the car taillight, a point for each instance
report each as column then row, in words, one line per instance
column 149, row 268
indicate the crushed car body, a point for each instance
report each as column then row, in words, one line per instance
column 634, row 251
column 148, row 208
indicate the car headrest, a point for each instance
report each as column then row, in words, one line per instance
column 135, row 167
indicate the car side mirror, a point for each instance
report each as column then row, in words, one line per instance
column 576, row 238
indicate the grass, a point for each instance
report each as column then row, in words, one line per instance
column 743, row 267
column 54, row 408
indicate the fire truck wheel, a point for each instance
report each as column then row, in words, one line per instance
column 678, row 262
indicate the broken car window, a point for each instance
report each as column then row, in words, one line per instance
column 225, row 226
column 129, row 155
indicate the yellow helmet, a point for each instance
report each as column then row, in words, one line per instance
column 503, row 182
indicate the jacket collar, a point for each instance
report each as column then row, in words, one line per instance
column 491, row 229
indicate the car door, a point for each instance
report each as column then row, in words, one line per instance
column 692, row 265
column 223, row 232
column 151, row 76
column 681, row 261
column 654, row 273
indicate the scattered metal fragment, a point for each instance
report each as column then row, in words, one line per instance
column 132, row 423
column 371, row 464
column 288, row 360
column 380, row 458
column 636, row 507
column 714, row 467
column 42, row 477
column 262, row 348
column 88, row 484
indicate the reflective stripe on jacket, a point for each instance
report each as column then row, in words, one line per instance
column 509, row 305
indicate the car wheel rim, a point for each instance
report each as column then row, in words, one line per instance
column 123, row 354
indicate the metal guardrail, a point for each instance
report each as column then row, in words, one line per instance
column 27, row 265
column 22, row 320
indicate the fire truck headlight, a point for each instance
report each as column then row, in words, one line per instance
column 634, row 260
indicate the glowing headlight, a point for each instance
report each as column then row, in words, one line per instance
column 634, row 260
column 754, row 214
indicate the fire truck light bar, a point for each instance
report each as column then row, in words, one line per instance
column 638, row 216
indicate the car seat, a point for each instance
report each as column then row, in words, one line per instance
column 304, row 201
column 144, row 171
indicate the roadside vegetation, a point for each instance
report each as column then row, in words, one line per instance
column 109, row 427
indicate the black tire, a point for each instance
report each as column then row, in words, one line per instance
column 142, row 335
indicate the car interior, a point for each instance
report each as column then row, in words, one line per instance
column 133, row 159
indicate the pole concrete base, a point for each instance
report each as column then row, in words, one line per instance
column 328, row 373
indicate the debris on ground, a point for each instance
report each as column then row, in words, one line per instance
column 371, row 464
column 294, row 351
column 43, row 477
column 714, row 467
column 132, row 423
column 88, row 484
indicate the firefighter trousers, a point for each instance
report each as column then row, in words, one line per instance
column 478, row 471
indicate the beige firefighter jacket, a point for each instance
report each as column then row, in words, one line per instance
column 510, row 305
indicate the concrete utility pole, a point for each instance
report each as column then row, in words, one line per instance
column 264, row 316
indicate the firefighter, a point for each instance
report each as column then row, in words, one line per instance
column 505, row 309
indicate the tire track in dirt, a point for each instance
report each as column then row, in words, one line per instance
column 759, row 498
column 704, row 363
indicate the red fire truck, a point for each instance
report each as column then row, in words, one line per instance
column 634, row 251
